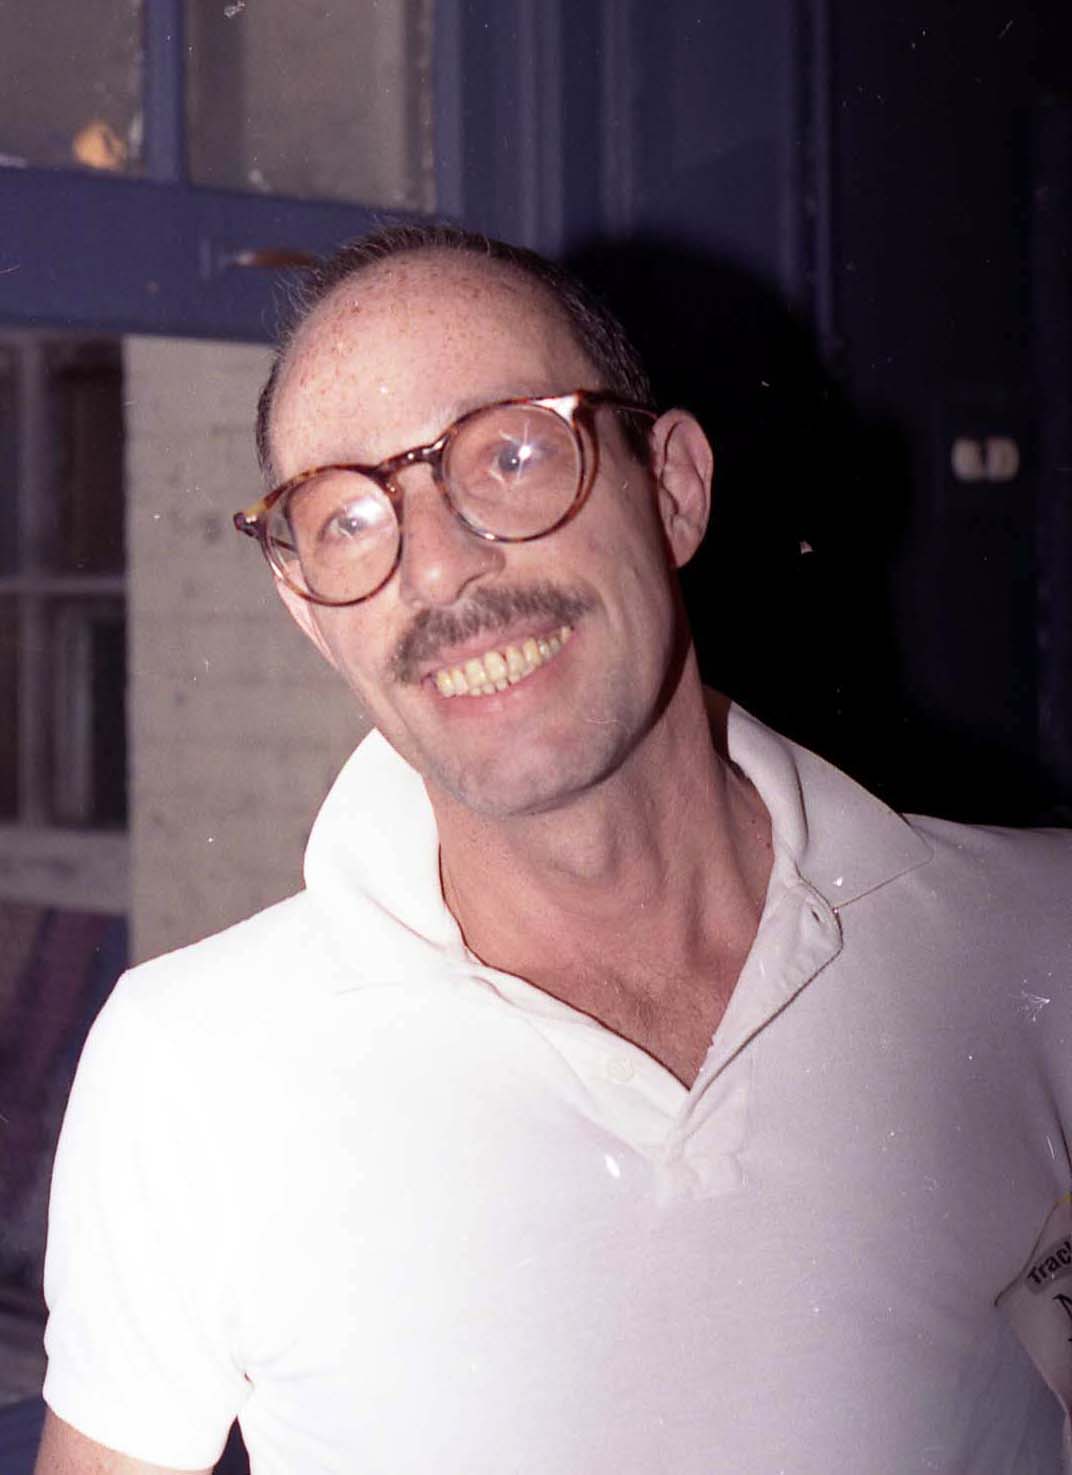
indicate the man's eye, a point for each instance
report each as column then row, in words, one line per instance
column 512, row 459
column 355, row 519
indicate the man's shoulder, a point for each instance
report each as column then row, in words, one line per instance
column 1003, row 896
column 254, row 943
column 226, row 1012
column 270, row 967
column 1028, row 863
column 854, row 849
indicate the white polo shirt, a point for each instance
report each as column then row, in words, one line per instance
column 402, row 1213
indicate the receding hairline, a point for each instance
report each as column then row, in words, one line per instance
column 377, row 273
column 592, row 327
column 459, row 263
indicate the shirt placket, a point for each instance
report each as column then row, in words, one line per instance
column 691, row 1138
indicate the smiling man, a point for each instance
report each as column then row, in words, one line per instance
column 627, row 1090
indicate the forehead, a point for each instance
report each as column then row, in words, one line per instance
column 395, row 353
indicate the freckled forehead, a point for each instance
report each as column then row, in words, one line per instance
column 391, row 354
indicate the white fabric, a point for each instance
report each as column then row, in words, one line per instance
column 406, row 1214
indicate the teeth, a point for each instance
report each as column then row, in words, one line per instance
column 496, row 669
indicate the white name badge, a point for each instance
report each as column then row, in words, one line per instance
column 1039, row 1305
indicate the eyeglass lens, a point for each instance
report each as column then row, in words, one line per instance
column 513, row 471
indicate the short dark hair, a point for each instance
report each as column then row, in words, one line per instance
column 595, row 328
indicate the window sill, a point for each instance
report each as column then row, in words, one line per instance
column 76, row 870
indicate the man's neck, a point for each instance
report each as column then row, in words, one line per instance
column 638, row 901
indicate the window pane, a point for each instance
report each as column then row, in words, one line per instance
column 9, row 495
column 9, row 681
column 70, row 84
column 89, row 713
column 86, row 387
column 318, row 100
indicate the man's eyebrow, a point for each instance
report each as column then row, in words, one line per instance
column 460, row 407
column 445, row 415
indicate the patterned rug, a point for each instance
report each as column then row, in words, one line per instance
column 56, row 970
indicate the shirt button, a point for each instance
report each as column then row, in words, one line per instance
column 619, row 1068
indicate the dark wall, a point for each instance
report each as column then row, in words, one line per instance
column 848, row 250
column 939, row 221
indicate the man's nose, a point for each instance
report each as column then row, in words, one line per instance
column 440, row 557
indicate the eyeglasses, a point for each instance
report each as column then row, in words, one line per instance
column 510, row 472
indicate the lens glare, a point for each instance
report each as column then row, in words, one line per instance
column 513, row 470
column 337, row 532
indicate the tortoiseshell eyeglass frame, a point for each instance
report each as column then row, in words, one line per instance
column 576, row 409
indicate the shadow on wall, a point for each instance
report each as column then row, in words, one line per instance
column 792, row 596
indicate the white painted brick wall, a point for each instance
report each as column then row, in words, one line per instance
column 236, row 726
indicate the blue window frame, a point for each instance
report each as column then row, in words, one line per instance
column 518, row 88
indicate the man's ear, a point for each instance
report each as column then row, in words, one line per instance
column 303, row 613
column 682, row 463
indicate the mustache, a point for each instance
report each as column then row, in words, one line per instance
column 484, row 611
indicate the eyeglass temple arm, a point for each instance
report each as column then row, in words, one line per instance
column 249, row 522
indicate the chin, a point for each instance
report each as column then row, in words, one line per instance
column 527, row 783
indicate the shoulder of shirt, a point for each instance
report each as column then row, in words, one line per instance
column 1006, row 894
column 270, row 963
column 231, row 1012
column 1018, row 859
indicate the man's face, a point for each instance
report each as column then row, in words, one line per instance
column 386, row 363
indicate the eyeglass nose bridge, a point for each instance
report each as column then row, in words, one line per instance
column 387, row 472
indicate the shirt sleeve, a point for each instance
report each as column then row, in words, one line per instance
column 141, row 1329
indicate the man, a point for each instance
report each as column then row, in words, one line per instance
column 628, row 1090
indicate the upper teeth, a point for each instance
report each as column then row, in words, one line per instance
column 495, row 670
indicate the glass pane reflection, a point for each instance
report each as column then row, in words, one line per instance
column 70, row 84
column 9, row 685
column 318, row 100
column 86, row 387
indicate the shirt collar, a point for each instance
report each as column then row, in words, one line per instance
column 372, row 871
column 372, row 863
column 841, row 839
